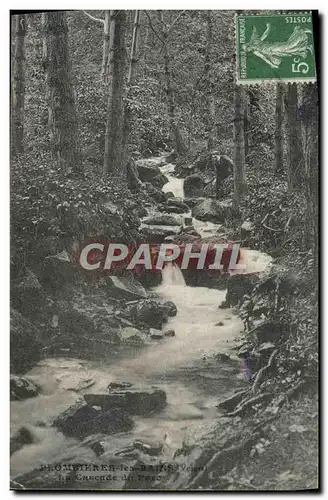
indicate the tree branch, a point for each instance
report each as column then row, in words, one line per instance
column 175, row 20
column 94, row 18
column 152, row 27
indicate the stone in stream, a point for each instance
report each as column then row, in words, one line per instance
column 22, row 437
column 156, row 334
column 148, row 447
column 132, row 400
column 173, row 209
column 160, row 219
column 125, row 288
column 132, row 335
column 170, row 308
column 155, row 193
column 157, row 234
column 148, row 313
column 22, row 388
column 82, row 420
column 212, row 210
column 159, row 181
column 169, row 333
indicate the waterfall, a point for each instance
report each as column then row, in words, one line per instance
column 172, row 275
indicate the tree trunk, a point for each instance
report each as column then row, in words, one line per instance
column 311, row 165
column 211, row 111
column 239, row 144
column 114, row 126
column 17, row 139
column 176, row 135
column 247, row 125
column 104, row 64
column 294, row 139
column 279, row 136
column 134, row 58
column 62, row 119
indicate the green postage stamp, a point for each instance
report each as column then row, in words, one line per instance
column 275, row 47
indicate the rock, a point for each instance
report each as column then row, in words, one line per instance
column 148, row 447
column 193, row 185
column 192, row 202
column 75, row 381
column 155, row 193
column 170, row 308
column 239, row 285
column 221, row 356
column 133, row 400
column 118, row 385
column 22, row 437
column 82, row 420
column 162, row 220
column 188, row 221
column 132, row 335
column 157, row 234
column 173, row 209
column 212, row 210
column 149, row 313
column 149, row 167
column 220, row 323
column 156, row 334
column 169, row 333
column 22, row 388
column 169, row 195
column 125, row 288
column 25, row 343
column 159, row 181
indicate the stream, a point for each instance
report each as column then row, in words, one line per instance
column 183, row 366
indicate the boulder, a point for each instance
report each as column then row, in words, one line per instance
column 22, row 437
column 145, row 164
column 162, row 220
column 169, row 195
column 148, row 447
column 173, row 209
column 22, row 388
column 156, row 334
column 82, row 420
column 148, row 313
column 125, row 288
column 223, row 165
column 239, row 285
column 193, row 185
column 132, row 335
column 170, row 308
column 169, row 333
column 147, row 169
column 157, row 234
column 212, row 210
column 159, row 180
column 132, row 400
column 155, row 193
column 25, row 343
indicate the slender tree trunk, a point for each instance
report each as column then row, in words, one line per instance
column 211, row 111
column 177, row 137
column 114, row 126
column 18, row 93
column 239, row 144
column 134, row 58
column 104, row 64
column 311, row 165
column 247, row 125
column 62, row 119
column 294, row 138
column 279, row 136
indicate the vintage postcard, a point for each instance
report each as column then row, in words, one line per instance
column 164, row 250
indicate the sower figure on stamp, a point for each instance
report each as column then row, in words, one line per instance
column 273, row 52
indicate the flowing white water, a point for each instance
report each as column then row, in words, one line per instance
column 181, row 365
column 174, row 185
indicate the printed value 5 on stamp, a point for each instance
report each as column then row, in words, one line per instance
column 275, row 47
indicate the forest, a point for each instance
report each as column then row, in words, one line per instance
column 129, row 127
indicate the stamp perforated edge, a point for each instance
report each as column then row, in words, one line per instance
column 267, row 81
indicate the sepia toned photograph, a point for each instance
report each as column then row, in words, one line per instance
column 164, row 250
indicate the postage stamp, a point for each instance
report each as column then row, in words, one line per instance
column 275, row 47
